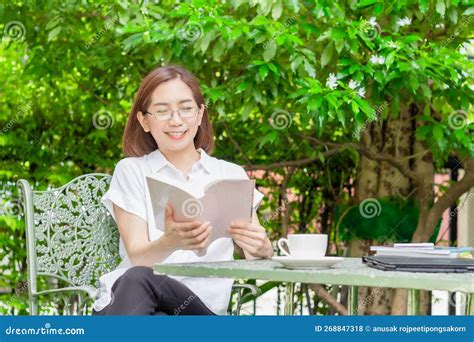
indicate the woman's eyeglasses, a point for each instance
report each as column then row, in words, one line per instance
column 167, row 114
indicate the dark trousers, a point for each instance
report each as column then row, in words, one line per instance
column 141, row 292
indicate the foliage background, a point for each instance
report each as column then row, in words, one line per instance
column 70, row 71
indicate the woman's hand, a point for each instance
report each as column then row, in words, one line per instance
column 186, row 235
column 252, row 238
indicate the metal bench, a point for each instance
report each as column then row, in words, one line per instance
column 72, row 240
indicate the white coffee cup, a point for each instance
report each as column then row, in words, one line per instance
column 304, row 246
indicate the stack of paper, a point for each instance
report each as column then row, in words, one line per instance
column 427, row 250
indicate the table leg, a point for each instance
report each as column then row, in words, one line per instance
column 413, row 304
column 353, row 301
column 470, row 304
column 289, row 294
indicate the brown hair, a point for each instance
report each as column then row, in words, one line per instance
column 135, row 141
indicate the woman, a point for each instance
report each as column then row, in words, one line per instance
column 169, row 134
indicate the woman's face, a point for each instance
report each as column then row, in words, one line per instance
column 176, row 133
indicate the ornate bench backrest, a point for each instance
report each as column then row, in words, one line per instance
column 70, row 234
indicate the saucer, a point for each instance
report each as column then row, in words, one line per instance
column 300, row 263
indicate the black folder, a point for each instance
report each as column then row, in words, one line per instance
column 419, row 264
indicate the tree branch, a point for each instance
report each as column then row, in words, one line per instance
column 449, row 197
column 293, row 163
column 235, row 143
column 336, row 147
column 326, row 296
column 382, row 157
column 83, row 87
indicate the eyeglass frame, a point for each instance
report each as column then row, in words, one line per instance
column 196, row 110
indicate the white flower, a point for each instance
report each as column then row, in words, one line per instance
column 392, row 44
column 331, row 82
column 353, row 84
column 376, row 59
column 372, row 22
column 404, row 22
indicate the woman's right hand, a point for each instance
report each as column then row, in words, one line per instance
column 186, row 235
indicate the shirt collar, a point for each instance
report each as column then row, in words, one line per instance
column 158, row 160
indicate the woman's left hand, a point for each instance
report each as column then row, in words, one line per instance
column 252, row 238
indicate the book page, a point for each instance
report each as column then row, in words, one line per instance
column 224, row 201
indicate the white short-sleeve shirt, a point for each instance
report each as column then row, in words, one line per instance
column 128, row 190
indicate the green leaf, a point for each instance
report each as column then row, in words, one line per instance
column 412, row 38
column 326, row 55
column 395, row 106
column 309, row 69
column 460, row 134
column 469, row 11
column 403, row 66
column 366, row 108
column 53, row 23
column 132, row 41
column 422, row 132
column 276, row 10
column 339, row 45
column 379, row 77
column 205, row 41
column 270, row 51
column 218, row 49
column 263, row 71
column 440, row 7
column 355, row 107
column 257, row 62
column 424, row 6
column 366, row 3
column 242, row 86
column 378, row 9
column 426, row 90
column 269, row 137
column 438, row 132
column 341, row 116
column 453, row 15
column 246, row 111
column 272, row 135
column 427, row 111
column 337, row 34
column 296, row 63
column 53, row 33
column 314, row 102
column 413, row 82
column 273, row 68
column 260, row 20
column 296, row 6
column 332, row 101
column 321, row 157
column 315, row 87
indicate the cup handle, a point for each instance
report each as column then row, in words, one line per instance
column 280, row 246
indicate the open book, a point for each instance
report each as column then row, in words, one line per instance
column 221, row 202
